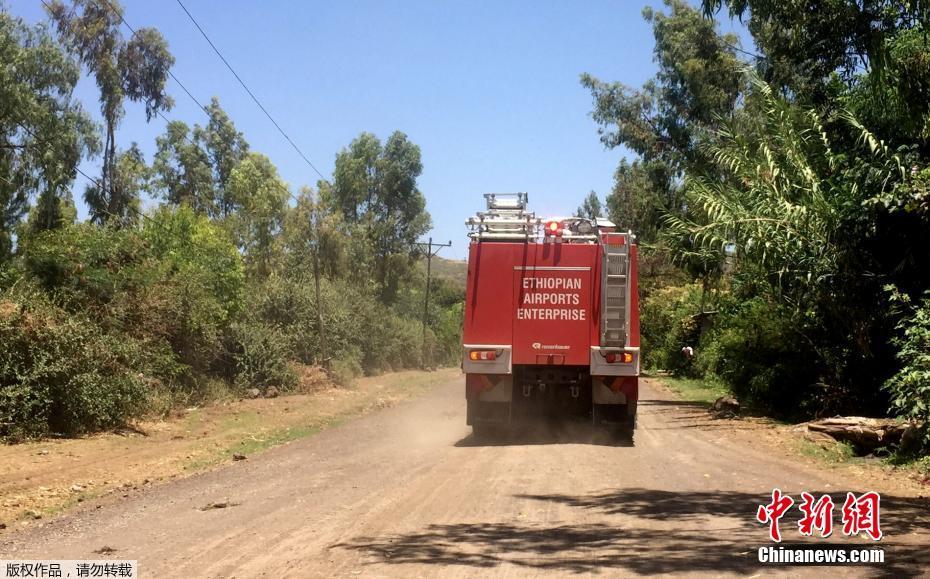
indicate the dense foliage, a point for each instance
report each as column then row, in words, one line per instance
column 789, row 181
column 212, row 288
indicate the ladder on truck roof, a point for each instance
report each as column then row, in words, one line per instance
column 615, row 300
column 506, row 219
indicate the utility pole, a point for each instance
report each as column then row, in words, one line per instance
column 314, row 223
column 429, row 262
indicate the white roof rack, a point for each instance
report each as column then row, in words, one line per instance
column 505, row 219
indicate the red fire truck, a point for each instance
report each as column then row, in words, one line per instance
column 551, row 320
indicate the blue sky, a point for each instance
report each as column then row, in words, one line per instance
column 489, row 90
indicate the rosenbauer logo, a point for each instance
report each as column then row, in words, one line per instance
column 541, row 346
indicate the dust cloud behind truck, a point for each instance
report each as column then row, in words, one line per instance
column 551, row 323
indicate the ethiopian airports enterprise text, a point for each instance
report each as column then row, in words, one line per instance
column 564, row 291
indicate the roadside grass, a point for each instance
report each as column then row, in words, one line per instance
column 254, row 444
column 694, row 390
column 914, row 464
column 39, row 475
column 249, row 433
column 832, row 454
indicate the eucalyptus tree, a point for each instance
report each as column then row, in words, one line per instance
column 193, row 166
column 136, row 69
column 809, row 45
column 182, row 171
column 226, row 147
column 375, row 187
column 590, row 207
column 256, row 187
column 44, row 132
column 665, row 121
column 119, row 204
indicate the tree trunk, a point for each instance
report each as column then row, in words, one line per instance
column 865, row 434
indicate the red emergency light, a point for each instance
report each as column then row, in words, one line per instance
column 554, row 228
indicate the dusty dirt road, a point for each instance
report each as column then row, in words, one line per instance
column 408, row 492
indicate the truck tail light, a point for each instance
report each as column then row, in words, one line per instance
column 621, row 357
column 477, row 355
column 554, row 228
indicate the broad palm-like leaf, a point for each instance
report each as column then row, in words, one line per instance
column 780, row 193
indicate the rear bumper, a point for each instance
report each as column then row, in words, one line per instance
column 600, row 366
column 497, row 399
column 500, row 365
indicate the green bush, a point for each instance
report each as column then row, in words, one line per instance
column 290, row 305
column 87, row 266
column 360, row 329
column 175, row 285
column 189, row 245
column 755, row 347
column 61, row 373
column 344, row 370
column 261, row 353
column 910, row 386
column 670, row 320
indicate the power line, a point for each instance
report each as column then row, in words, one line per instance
column 171, row 74
column 131, row 29
column 85, row 175
column 188, row 138
column 251, row 94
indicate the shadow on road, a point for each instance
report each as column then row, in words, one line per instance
column 678, row 414
column 551, row 432
column 644, row 531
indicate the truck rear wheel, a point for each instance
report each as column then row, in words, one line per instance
column 619, row 419
column 487, row 430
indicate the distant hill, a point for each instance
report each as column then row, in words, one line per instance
column 451, row 269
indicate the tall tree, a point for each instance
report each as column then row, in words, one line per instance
column 118, row 205
column 255, row 185
column 591, row 207
column 375, row 186
column 52, row 212
column 136, row 69
column 665, row 121
column 314, row 230
column 226, row 147
column 44, row 132
column 634, row 202
column 194, row 166
column 805, row 43
column 182, row 169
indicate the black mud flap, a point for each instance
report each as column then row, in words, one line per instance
column 615, row 416
column 479, row 412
